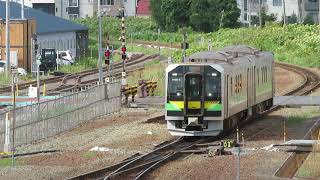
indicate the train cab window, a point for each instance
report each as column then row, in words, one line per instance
column 193, row 87
column 212, row 84
column 175, row 84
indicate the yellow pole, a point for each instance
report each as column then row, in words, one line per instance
column 44, row 89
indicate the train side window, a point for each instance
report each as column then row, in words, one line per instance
column 236, row 85
column 231, row 87
column 240, row 83
column 258, row 76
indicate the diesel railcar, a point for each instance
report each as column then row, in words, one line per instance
column 213, row 91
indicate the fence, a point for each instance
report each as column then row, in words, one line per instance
column 49, row 118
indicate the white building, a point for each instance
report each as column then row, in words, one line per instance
column 70, row 9
column 301, row 8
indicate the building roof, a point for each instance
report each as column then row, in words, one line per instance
column 143, row 7
column 46, row 23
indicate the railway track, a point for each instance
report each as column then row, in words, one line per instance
column 138, row 167
column 61, row 81
column 132, row 66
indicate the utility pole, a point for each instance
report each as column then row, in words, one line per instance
column 22, row 9
column 249, row 9
column 238, row 154
column 159, row 49
column 221, row 19
column 8, row 68
column 284, row 12
column 319, row 17
column 260, row 18
column 184, row 46
column 299, row 11
column 99, row 42
column 61, row 4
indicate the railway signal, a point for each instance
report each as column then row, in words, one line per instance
column 123, row 49
column 107, row 55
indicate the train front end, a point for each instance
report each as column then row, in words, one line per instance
column 194, row 104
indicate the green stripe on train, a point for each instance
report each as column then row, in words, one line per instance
column 215, row 107
column 172, row 107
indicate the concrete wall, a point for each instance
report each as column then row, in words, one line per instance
column 130, row 7
column 60, row 41
column 88, row 8
column 291, row 7
column 61, row 8
column 112, row 10
column 30, row 2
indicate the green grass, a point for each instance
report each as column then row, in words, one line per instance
column 297, row 117
column 80, row 65
column 8, row 162
column 4, row 79
column 89, row 154
column 294, row 43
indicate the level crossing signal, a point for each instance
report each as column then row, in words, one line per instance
column 124, row 56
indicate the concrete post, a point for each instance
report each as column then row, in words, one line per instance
column 8, row 68
column 22, row 9
column 7, row 135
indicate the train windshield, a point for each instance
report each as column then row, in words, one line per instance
column 212, row 84
column 193, row 87
column 175, row 84
column 211, row 79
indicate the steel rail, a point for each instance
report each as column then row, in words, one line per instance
column 309, row 83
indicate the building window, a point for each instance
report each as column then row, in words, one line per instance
column 107, row 2
column 73, row 3
column 277, row 2
column 73, row 16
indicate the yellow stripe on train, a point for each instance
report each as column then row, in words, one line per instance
column 193, row 104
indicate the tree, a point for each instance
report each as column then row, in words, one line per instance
column 265, row 18
column 292, row 19
column 202, row 15
column 308, row 20
column 170, row 14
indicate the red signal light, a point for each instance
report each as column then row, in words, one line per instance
column 107, row 53
column 123, row 49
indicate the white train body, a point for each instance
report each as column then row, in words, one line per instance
column 213, row 91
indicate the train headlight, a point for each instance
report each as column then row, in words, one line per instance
column 209, row 94
column 214, row 74
column 178, row 94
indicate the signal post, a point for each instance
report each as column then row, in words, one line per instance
column 123, row 52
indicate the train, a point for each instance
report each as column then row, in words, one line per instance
column 211, row 92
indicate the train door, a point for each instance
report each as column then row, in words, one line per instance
column 227, row 96
column 254, row 79
column 193, row 95
column 248, row 88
